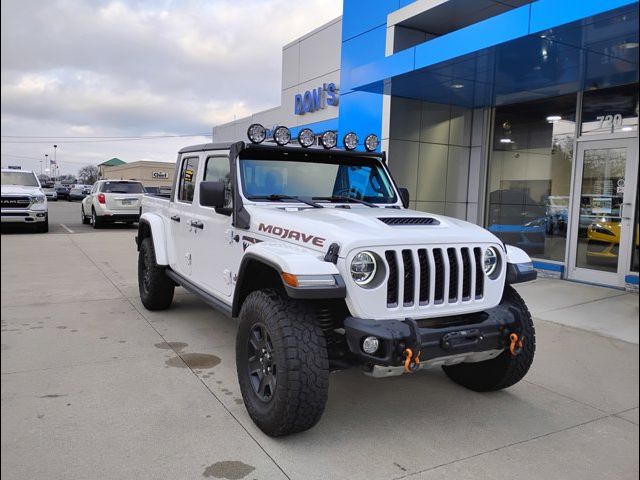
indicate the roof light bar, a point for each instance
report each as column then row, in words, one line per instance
column 350, row 141
column 256, row 133
column 371, row 142
column 306, row 137
column 281, row 135
column 329, row 139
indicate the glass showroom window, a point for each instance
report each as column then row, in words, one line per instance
column 530, row 175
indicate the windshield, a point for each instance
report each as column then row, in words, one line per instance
column 27, row 179
column 121, row 187
column 362, row 179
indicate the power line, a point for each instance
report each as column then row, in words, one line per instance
column 92, row 139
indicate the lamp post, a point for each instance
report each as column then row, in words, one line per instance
column 55, row 158
column 46, row 162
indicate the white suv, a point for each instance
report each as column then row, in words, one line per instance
column 23, row 201
column 112, row 201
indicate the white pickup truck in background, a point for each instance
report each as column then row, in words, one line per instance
column 23, row 200
column 315, row 252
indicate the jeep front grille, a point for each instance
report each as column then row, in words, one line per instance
column 15, row 202
column 433, row 276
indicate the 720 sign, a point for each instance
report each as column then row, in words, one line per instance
column 609, row 121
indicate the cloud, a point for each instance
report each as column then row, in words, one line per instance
column 120, row 68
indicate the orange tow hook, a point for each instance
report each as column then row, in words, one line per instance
column 411, row 362
column 515, row 347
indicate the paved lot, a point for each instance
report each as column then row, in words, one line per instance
column 94, row 386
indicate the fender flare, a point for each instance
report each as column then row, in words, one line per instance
column 284, row 259
column 519, row 266
column 152, row 225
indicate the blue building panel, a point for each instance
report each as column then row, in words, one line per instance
column 363, row 49
column 360, row 16
column 546, row 14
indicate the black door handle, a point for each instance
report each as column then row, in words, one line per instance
column 175, row 218
column 197, row 224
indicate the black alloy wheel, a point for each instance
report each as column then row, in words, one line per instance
column 262, row 366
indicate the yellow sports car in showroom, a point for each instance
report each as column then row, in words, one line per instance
column 604, row 241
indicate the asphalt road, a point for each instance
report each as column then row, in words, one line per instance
column 96, row 386
column 64, row 217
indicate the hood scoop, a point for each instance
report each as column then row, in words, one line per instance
column 399, row 221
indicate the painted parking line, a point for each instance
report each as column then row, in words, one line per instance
column 66, row 228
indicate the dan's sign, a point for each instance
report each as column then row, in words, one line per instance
column 316, row 99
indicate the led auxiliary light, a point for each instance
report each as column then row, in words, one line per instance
column 329, row 139
column 256, row 133
column 350, row 141
column 281, row 135
column 306, row 137
column 371, row 142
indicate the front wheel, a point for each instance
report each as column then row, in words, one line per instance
column 282, row 363
column 505, row 370
column 156, row 289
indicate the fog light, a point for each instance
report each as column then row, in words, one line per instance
column 350, row 141
column 306, row 137
column 282, row 136
column 371, row 142
column 329, row 139
column 256, row 133
column 370, row 345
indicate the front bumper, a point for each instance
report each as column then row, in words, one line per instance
column 23, row 216
column 446, row 337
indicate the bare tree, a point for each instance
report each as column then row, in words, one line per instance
column 67, row 178
column 88, row 174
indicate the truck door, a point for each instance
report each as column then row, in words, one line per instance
column 180, row 216
column 216, row 256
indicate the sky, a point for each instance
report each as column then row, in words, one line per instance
column 74, row 72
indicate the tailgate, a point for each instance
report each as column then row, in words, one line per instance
column 123, row 201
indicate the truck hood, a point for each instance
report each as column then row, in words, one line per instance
column 360, row 226
column 20, row 190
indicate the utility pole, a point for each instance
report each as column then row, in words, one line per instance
column 46, row 162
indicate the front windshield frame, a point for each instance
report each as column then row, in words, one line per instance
column 23, row 174
column 343, row 160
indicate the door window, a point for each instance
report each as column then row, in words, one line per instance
column 217, row 170
column 601, row 198
column 188, row 173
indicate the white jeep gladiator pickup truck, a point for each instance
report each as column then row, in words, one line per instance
column 315, row 252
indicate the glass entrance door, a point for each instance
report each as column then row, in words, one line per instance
column 603, row 209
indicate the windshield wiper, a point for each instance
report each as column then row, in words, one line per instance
column 278, row 197
column 342, row 198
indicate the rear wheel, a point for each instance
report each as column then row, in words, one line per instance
column 85, row 220
column 96, row 221
column 281, row 358
column 156, row 289
column 505, row 370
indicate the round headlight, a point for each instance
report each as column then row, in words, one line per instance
column 490, row 260
column 363, row 268
column 306, row 137
column 282, row 136
column 329, row 139
column 256, row 133
column 371, row 142
column 350, row 141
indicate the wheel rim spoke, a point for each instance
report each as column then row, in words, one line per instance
column 261, row 365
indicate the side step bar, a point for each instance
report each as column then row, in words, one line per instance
column 207, row 297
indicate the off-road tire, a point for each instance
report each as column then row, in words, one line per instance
column 156, row 289
column 85, row 220
column 300, row 353
column 505, row 370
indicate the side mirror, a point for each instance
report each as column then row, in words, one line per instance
column 404, row 196
column 212, row 194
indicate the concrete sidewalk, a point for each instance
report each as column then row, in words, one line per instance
column 95, row 386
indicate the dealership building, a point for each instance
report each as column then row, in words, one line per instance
column 520, row 116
